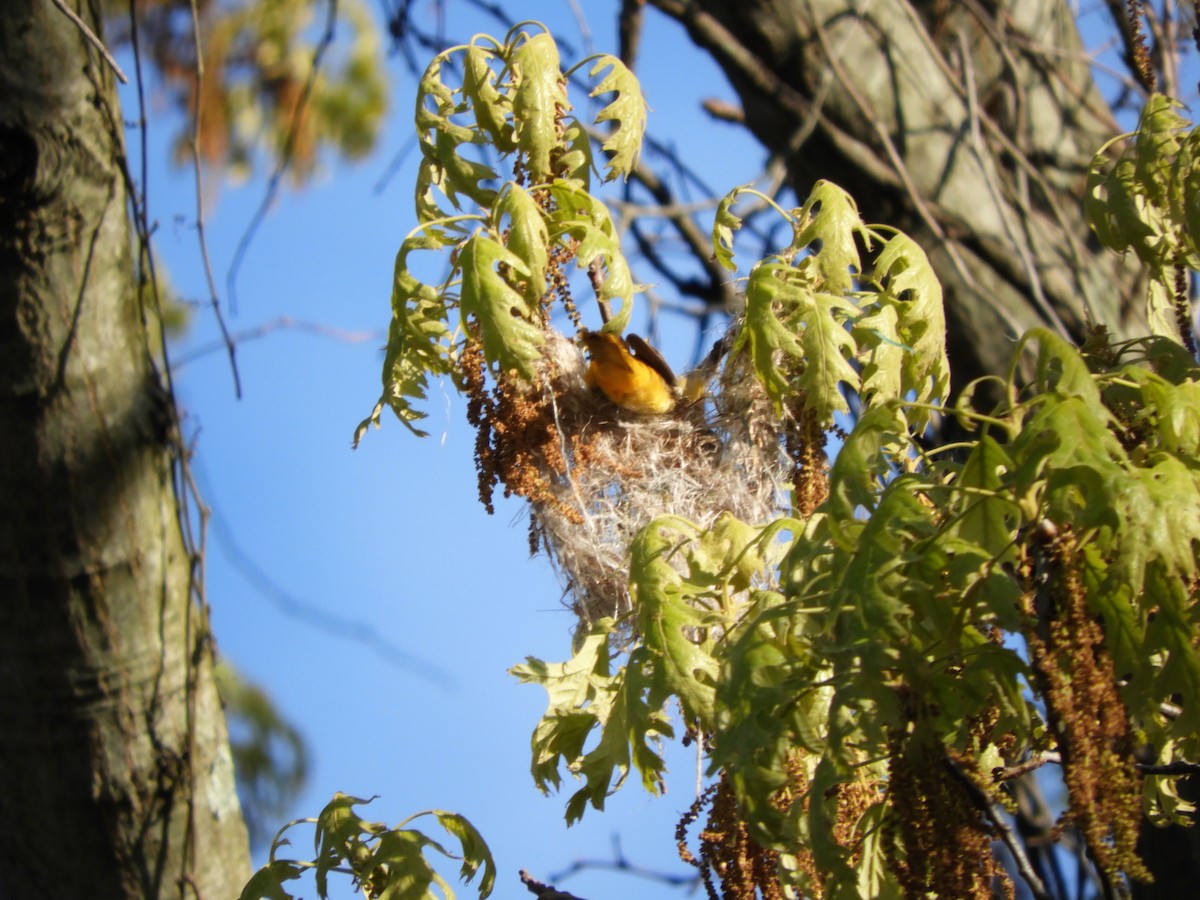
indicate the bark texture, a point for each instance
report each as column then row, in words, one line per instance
column 968, row 125
column 115, row 772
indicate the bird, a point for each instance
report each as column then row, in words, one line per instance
column 629, row 372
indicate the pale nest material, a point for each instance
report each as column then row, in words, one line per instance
column 722, row 454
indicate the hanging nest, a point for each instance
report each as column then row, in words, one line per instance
column 595, row 474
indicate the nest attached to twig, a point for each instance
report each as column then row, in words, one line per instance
column 595, row 474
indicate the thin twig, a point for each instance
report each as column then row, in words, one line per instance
column 544, row 891
column 1170, row 769
column 1036, row 761
column 285, row 158
column 279, row 323
column 996, row 817
column 630, row 23
column 91, row 38
column 198, row 177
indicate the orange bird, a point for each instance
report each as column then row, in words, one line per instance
column 631, row 374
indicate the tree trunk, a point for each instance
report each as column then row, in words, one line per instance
column 968, row 125
column 115, row 771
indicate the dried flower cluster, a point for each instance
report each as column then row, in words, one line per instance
column 1091, row 725
column 746, row 871
column 939, row 843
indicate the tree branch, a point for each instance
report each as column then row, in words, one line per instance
column 544, row 891
column 91, row 39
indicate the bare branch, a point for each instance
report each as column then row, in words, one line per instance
column 630, row 22
column 91, row 39
column 1170, row 769
column 544, row 891
column 285, row 158
column 1032, row 764
column 279, row 323
column 198, row 178
column 1001, row 827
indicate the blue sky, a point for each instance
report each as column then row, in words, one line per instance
column 392, row 535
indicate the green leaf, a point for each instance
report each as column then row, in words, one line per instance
column 475, row 852
column 882, row 353
column 770, row 705
column 1171, row 632
column 857, row 474
column 669, row 621
column 1160, row 303
column 784, row 315
column 527, row 236
column 821, row 822
column 539, row 99
column 1156, row 146
column 492, row 109
column 1169, row 412
column 340, row 831
column 627, row 110
column 586, row 219
column 921, row 324
column 398, row 870
column 988, row 516
column 628, row 708
column 419, row 340
column 1163, row 519
column 725, row 225
column 875, row 879
column 510, row 334
column 439, row 138
column 454, row 175
column 830, row 216
column 1113, row 206
column 267, row 882
column 575, row 162
column 1186, row 194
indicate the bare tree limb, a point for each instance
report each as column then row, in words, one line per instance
column 198, row 178
column 285, row 158
column 544, row 891
column 91, row 39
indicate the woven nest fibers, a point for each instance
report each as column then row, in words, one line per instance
column 595, row 474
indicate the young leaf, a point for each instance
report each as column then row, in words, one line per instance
column 267, row 882
column 784, row 315
column 475, row 852
column 576, row 161
column 830, row 216
column 627, row 708
column 770, row 298
column 670, row 621
column 987, row 517
column 725, row 225
column 419, row 341
column 439, row 139
column 492, row 109
column 539, row 100
column 528, row 236
column 882, row 352
column 511, row 337
column 586, row 219
column 627, row 110
column 921, row 325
